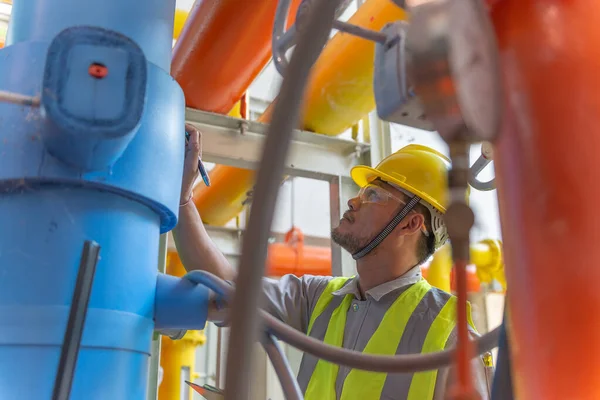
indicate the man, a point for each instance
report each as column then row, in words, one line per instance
column 391, row 227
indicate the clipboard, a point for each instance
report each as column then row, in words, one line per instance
column 207, row 391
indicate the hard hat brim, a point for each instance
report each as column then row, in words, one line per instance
column 363, row 175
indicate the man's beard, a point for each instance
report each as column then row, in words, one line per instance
column 347, row 241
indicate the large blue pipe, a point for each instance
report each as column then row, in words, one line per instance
column 100, row 160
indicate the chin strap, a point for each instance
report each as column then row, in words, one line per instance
column 388, row 229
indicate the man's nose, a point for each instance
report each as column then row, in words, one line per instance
column 354, row 203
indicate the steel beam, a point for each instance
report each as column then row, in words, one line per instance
column 238, row 143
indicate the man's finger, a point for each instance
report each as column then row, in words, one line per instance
column 195, row 140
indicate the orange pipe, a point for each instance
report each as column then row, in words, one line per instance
column 222, row 48
column 290, row 257
column 339, row 93
column 226, row 196
column 293, row 257
column 174, row 265
column 548, row 179
column 244, row 112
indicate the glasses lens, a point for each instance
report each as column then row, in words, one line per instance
column 373, row 194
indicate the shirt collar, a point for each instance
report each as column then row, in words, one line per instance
column 412, row 276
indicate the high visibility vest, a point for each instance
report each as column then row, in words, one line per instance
column 366, row 385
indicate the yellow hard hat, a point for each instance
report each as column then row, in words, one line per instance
column 417, row 169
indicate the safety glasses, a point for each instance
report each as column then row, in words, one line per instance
column 374, row 194
column 377, row 195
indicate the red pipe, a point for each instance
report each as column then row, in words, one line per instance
column 223, row 46
column 463, row 388
column 548, row 179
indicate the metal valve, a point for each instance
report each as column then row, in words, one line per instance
column 452, row 62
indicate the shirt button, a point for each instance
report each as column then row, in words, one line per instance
column 355, row 307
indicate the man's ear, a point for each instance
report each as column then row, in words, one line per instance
column 412, row 223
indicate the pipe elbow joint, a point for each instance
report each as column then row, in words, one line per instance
column 93, row 96
column 180, row 304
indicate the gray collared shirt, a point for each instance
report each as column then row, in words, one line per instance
column 292, row 300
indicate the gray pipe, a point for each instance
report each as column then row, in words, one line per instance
column 349, row 358
column 244, row 312
column 476, row 168
column 289, row 384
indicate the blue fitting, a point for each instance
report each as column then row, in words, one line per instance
column 93, row 95
column 180, row 304
column 148, row 171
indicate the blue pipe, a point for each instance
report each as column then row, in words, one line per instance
column 100, row 160
column 149, row 23
column 180, row 303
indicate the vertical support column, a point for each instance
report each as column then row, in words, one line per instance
column 335, row 210
column 548, row 182
column 340, row 191
column 381, row 138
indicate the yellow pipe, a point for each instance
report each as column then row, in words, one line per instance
column 177, row 355
column 438, row 272
column 366, row 129
column 340, row 90
column 179, row 22
column 485, row 255
column 236, row 111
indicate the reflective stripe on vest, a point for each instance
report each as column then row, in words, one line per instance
column 361, row 384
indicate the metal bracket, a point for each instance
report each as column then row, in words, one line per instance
column 390, row 83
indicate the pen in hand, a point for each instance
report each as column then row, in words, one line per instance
column 201, row 168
